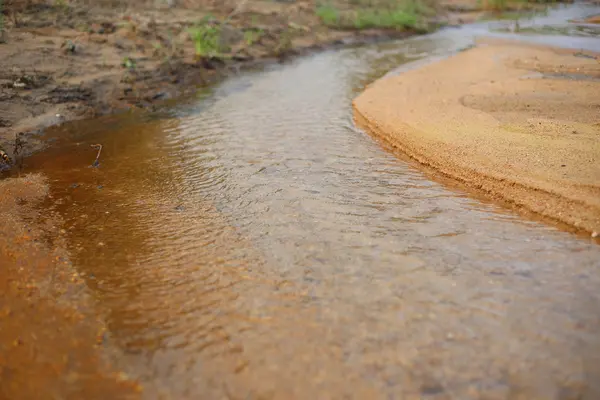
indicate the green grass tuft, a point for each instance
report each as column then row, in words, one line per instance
column 206, row 39
column 391, row 14
column 328, row 14
column 252, row 36
column 385, row 19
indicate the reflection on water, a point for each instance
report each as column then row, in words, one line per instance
column 255, row 244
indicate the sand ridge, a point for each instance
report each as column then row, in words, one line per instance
column 518, row 122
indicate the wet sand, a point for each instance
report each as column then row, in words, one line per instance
column 51, row 343
column 517, row 122
column 593, row 20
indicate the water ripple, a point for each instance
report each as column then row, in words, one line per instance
column 257, row 244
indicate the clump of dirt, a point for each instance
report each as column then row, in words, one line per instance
column 50, row 341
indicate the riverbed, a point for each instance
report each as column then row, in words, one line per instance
column 251, row 242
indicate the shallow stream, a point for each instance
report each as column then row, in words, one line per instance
column 252, row 243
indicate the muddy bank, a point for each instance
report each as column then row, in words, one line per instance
column 51, row 344
column 519, row 123
column 69, row 60
column 62, row 60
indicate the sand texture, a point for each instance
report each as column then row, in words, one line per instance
column 520, row 123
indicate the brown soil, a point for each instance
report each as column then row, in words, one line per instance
column 50, row 342
column 65, row 60
column 68, row 60
column 517, row 122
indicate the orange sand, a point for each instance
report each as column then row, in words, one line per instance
column 518, row 122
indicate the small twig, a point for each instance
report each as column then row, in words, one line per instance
column 96, row 162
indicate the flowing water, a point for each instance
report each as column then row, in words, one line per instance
column 252, row 243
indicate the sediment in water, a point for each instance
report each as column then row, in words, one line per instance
column 52, row 343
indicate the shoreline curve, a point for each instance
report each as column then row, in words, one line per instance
column 518, row 123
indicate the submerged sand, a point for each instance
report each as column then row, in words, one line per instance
column 52, row 345
column 518, row 122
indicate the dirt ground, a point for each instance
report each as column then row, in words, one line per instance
column 68, row 60
column 517, row 122
column 64, row 60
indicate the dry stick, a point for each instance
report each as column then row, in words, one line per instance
column 99, row 147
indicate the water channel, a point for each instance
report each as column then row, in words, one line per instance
column 252, row 243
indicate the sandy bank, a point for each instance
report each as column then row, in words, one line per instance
column 520, row 123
